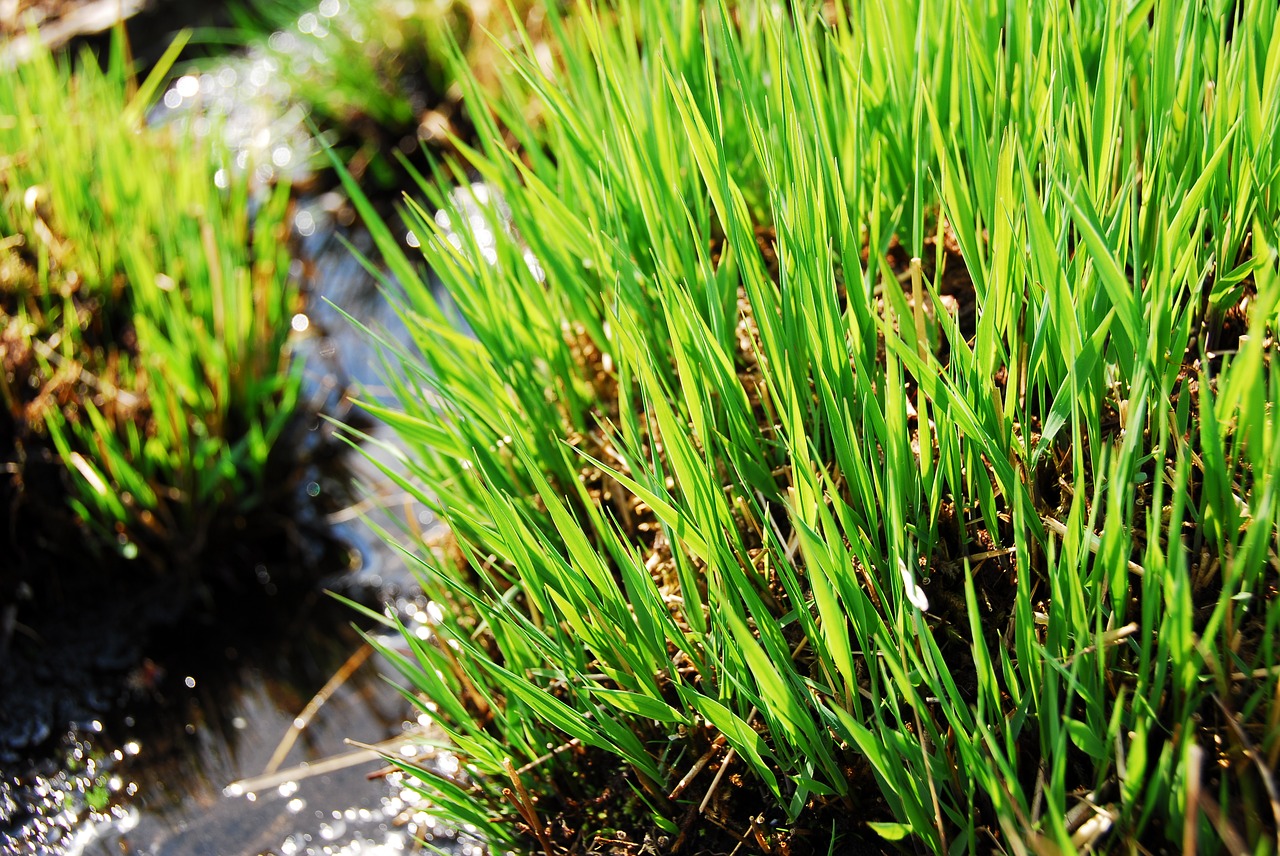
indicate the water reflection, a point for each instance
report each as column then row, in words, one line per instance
column 154, row 780
column 249, row 105
column 227, row 727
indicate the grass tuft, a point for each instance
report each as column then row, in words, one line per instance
column 146, row 306
column 867, row 432
column 374, row 74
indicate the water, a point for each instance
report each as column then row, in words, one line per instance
column 156, row 780
column 246, row 102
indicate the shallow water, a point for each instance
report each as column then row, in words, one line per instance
column 155, row 780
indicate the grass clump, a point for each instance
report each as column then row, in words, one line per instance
column 372, row 74
column 146, row 304
column 867, row 432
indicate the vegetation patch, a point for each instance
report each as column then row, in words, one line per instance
column 866, row 434
column 146, row 304
column 374, row 74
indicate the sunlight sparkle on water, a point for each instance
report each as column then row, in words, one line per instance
column 305, row 223
column 188, row 86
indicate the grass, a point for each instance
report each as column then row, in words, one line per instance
column 146, row 305
column 882, row 450
column 372, row 74
column 348, row 61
